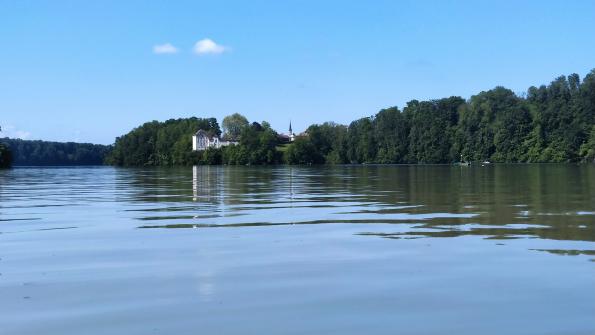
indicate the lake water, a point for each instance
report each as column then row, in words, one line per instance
column 500, row 249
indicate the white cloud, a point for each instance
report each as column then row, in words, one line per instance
column 12, row 132
column 166, row 48
column 208, row 46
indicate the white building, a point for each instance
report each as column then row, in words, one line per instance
column 289, row 137
column 291, row 134
column 202, row 141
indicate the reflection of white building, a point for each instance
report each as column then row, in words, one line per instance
column 209, row 188
column 202, row 141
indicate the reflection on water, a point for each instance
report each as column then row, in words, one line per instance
column 546, row 201
column 568, row 252
column 384, row 247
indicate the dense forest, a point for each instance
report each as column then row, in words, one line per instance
column 43, row 153
column 5, row 156
column 553, row 123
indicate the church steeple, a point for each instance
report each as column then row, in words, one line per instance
column 291, row 134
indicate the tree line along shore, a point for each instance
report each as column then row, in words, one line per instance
column 549, row 123
column 44, row 153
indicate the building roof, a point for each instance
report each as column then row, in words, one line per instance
column 202, row 132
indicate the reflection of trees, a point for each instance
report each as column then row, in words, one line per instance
column 547, row 196
column 509, row 200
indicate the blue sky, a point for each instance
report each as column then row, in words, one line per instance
column 89, row 71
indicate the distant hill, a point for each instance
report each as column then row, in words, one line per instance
column 44, row 153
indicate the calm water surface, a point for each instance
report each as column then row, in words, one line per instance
column 504, row 249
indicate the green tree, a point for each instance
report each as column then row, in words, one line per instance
column 563, row 115
column 392, row 136
column 303, row 151
column 587, row 150
column 257, row 145
column 5, row 156
column 328, row 140
column 361, row 143
column 494, row 125
column 433, row 127
column 233, row 125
